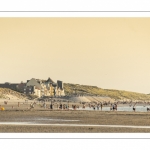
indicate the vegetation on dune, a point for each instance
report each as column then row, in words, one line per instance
column 1, row 96
column 31, row 96
column 76, row 89
column 5, row 91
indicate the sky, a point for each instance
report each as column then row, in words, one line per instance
column 111, row 53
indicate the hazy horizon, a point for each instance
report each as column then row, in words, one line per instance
column 111, row 53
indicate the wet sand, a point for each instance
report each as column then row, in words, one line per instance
column 21, row 119
column 71, row 117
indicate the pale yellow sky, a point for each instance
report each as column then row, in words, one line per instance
column 111, row 53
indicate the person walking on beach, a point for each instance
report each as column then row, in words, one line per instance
column 116, row 107
column 83, row 106
column 68, row 105
column 89, row 105
column 134, row 107
column 94, row 107
column 101, row 106
column 113, row 107
column 31, row 105
column 51, row 106
column 98, row 107
column 44, row 105
column 60, row 106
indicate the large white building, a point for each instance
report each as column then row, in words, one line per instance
column 44, row 87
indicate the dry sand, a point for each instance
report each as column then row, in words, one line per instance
column 91, row 99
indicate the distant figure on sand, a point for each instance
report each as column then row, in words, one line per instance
column 31, row 105
column 89, row 105
column 60, row 107
column 101, row 106
column 134, row 107
column 111, row 107
column 116, row 107
column 94, row 107
column 68, row 106
column 74, row 107
column 51, row 106
column 83, row 105
column 44, row 105
column 98, row 107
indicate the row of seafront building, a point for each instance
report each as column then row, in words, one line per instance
column 37, row 87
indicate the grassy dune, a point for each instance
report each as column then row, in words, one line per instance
column 76, row 89
column 71, row 89
column 4, row 92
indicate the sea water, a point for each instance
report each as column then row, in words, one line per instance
column 122, row 108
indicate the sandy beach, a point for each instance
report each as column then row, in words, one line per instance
column 18, row 117
column 55, row 121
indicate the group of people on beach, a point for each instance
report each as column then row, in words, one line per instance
column 100, row 105
column 95, row 106
column 113, row 107
column 60, row 105
column 63, row 106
